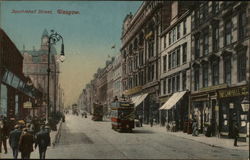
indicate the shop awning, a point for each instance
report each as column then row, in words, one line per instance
column 140, row 99
column 173, row 100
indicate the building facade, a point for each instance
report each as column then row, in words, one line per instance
column 35, row 66
column 18, row 97
column 141, row 60
column 220, row 65
column 175, row 66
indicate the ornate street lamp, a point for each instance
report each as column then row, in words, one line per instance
column 53, row 39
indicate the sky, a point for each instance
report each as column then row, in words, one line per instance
column 88, row 36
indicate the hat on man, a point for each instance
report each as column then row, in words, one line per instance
column 16, row 126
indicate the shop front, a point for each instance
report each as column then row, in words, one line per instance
column 232, row 111
column 176, row 111
column 205, row 110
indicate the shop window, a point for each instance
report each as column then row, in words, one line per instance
column 16, row 105
column 3, row 100
column 215, row 72
column 228, row 32
column 241, row 65
column 227, row 69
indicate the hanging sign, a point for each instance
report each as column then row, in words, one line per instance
column 27, row 105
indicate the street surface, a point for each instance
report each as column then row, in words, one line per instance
column 83, row 138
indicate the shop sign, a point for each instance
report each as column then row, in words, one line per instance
column 233, row 92
column 27, row 105
column 213, row 88
column 133, row 90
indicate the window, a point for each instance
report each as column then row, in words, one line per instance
column 227, row 69
column 170, row 38
column 205, row 75
column 178, row 32
column 184, row 27
column 141, row 58
column 164, row 86
column 215, row 7
column 241, row 65
column 174, row 57
column 184, row 87
column 184, row 53
column 196, row 78
column 215, row 72
column 178, row 56
column 197, row 47
column 205, row 10
column 169, row 85
column 215, row 37
column 164, row 42
column 197, row 18
column 173, row 84
column 164, row 63
column 228, row 32
column 205, row 42
column 16, row 105
column 242, row 25
column 151, row 49
column 178, row 82
column 153, row 70
column 169, row 61
column 174, row 34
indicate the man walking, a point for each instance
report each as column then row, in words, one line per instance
column 43, row 141
column 14, row 140
column 140, row 119
column 235, row 133
column 26, row 144
column 3, row 135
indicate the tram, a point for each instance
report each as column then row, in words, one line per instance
column 122, row 116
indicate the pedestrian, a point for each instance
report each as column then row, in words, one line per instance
column 195, row 128
column 151, row 122
column 26, row 144
column 14, row 140
column 3, row 136
column 235, row 133
column 43, row 141
column 140, row 119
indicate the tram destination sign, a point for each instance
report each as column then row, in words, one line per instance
column 233, row 92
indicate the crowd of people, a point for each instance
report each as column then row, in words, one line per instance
column 24, row 136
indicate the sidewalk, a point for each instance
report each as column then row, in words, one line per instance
column 212, row 141
column 54, row 135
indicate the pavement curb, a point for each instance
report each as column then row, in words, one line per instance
column 58, row 134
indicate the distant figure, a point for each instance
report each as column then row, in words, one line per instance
column 3, row 135
column 151, row 122
column 14, row 140
column 195, row 128
column 43, row 141
column 115, row 99
column 26, row 144
column 140, row 119
column 235, row 133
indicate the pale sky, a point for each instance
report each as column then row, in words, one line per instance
column 88, row 36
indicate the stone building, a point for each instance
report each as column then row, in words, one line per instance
column 220, row 65
column 35, row 66
column 140, row 56
column 16, row 90
column 175, row 52
column 117, row 76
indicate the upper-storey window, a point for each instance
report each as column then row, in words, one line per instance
column 164, row 63
column 197, row 47
column 215, row 7
column 228, row 32
column 242, row 25
column 150, row 48
column 215, row 37
column 241, row 65
column 205, row 11
column 184, row 53
column 184, row 26
column 178, row 32
column 205, row 42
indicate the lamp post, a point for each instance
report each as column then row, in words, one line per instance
column 53, row 39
